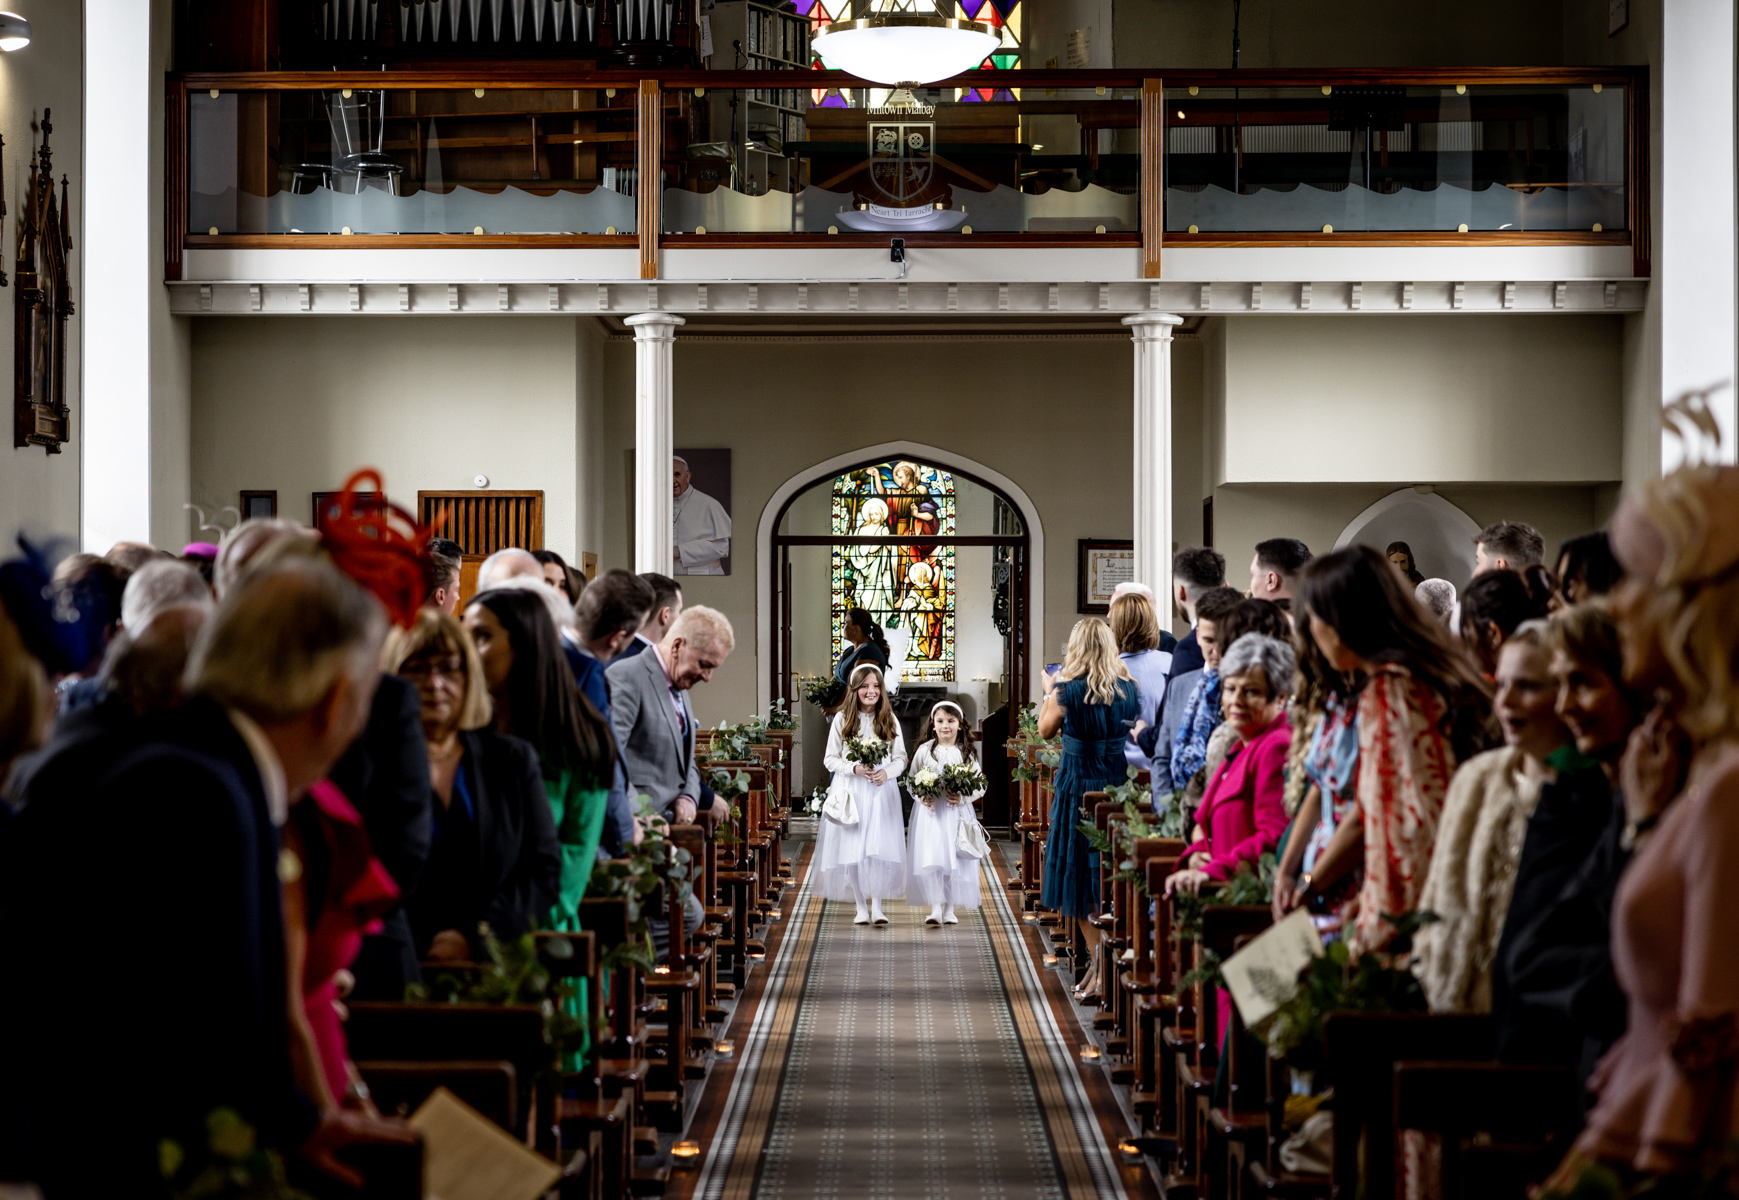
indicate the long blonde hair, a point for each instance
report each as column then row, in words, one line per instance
column 887, row 729
column 1092, row 656
column 437, row 631
column 1696, row 594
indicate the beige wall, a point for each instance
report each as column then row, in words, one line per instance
column 297, row 403
column 1052, row 415
column 1487, row 399
column 39, row 492
column 1316, row 514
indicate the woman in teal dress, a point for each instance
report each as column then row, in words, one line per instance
column 535, row 698
column 1093, row 702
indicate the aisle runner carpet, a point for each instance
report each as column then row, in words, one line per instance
column 905, row 1061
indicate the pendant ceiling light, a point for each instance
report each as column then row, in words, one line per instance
column 904, row 47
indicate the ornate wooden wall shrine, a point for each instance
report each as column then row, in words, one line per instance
column 43, row 303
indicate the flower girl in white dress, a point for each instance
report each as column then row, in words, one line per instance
column 941, row 874
column 863, row 861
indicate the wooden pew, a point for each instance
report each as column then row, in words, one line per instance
column 1502, row 1127
column 1149, row 979
column 1230, row 1130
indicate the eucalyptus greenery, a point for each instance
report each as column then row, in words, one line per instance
column 779, row 716
column 1029, row 720
column 511, row 973
column 727, row 786
column 1248, row 885
column 233, row 1166
column 1335, row 982
column 637, row 876
column 823, row 691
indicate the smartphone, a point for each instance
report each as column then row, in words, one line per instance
column 1053, row 669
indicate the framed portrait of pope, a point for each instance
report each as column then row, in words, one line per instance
column 701, row 512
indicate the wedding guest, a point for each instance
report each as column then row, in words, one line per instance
column 1554, row 997
column 1136, row 627
column 666, row 607
column 1495, row 604
column 1254, row 616
column 131, row 556
column 158, row 585
column 1195, row 571
column 1274, row 570
column 1438, row 598
column 563, row 578
column 95, row 590
column 608, row 613
column 536, row 700
column 937, row 869
column 868, row 644
column 1422, row 710
column 242, row 543
column 1323, row 860
column 1666, row 1112
column 1242, row 815
column 441, row 574
column 1485, row 819
column 1200, row 715
column 1507, row 545
column 1401, row 554
column 1586, row 568
column 864, row 861
column 202, row 557
column 511, row 563
column 1158, row 741
column 1091, row 702
column 494, row 857
column 183, row 832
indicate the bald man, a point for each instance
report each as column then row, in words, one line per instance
column 700, row 528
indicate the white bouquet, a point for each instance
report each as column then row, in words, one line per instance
column 866, row 750
column 925, row 784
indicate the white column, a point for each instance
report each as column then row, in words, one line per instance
column 122, row 266
column 1152, row 332
column 1694, row 252
column 654, row 335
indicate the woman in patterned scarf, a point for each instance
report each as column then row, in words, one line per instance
column 1422, row 710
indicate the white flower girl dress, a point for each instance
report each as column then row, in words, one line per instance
column 865, row 862
column 940, row 874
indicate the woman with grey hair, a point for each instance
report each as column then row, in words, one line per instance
column 1243, row 811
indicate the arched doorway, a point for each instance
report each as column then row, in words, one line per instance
column 941, row 551
column 1439, row 534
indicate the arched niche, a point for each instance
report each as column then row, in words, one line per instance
column 1440, row 534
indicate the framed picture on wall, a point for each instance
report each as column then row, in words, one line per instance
column 1103, row 564
column 259, row 505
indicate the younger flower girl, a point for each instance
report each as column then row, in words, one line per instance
column 941, row 873
column 866, row 859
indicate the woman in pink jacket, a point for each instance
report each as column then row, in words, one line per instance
column 1242, row 812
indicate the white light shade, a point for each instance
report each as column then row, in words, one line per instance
column 903, row 48
column 14, row 31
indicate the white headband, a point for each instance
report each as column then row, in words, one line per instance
column 947, row 704
column 868, row 666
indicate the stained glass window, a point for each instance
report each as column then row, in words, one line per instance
column 909, row 590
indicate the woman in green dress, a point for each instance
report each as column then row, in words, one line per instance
column 535, row 698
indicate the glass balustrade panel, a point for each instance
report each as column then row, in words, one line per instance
column 1457, row 158
column 413, row 161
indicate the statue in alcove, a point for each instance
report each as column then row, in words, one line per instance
column 42, row 306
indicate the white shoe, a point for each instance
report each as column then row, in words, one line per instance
column 876, row 915
column 935, row 917
column 862, row 918
column 948, row 917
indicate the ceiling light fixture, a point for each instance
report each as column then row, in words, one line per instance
column 14, row 32
column 899, row 45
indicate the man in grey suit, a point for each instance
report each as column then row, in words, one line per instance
column 654, row 721
column 655, row 728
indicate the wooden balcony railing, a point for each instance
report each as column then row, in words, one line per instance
column 535, row 153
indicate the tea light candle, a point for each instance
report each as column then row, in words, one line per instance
column 1030, row 918
column 1050, row 960
column 685, row 1154
column 1131, row 1151
column 661, row 969
column 1089, row 1053
column 724, row 1047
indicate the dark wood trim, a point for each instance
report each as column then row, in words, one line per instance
column 175, row 181
column 1152, row 175
column 533, row 75
column 270, row 494
column 1083, row 547
column 648, row 181
column 404, row 241
column 1637, row 177
column 1428, row 237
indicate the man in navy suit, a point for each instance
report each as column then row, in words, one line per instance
column 666, row 607
column 606, row 616
column 163, row 880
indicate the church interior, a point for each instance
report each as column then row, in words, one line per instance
column 1004, row 354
